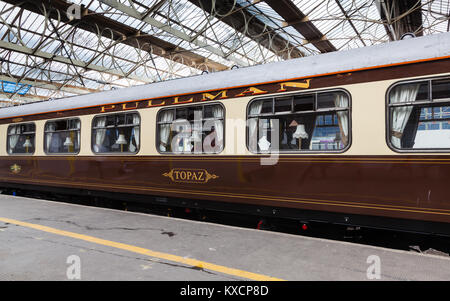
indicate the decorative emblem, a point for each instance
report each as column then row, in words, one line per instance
column 15, row 168
column 182, row 175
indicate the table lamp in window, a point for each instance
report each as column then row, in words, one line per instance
column 263, row 144
column 68, row 143
column 300, row 133
column 121, row 141
column 27, row 144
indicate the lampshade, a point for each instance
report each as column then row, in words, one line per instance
column 293, row 123
column 68, row 142
column 27, row 143
column 263, row 143
column 300, row 132
column 121, row 140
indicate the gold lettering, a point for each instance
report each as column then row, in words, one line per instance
column 177, row 101
column 107, row 108
column 208, row 96
column 251, row 91
column 190, row 175
column 125, row 106
column 151, row 104
column 294, row 84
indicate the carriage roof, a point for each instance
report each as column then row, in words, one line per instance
column 398, row 52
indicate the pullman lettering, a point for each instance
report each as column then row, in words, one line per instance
column 209, row 96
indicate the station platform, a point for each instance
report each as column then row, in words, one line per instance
column 46, row 240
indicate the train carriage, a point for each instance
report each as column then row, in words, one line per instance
column 357, row 137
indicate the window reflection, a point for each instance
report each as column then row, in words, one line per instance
column 314, row 122
column 21, row 138
column 117, row 133
column 62, row 136
column 420, row 119
column 191, row 130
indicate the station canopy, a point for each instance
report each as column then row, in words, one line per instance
column 59, row 48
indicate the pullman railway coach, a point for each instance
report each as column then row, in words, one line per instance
column 357, row 137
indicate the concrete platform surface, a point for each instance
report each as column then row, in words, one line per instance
column 45, row 240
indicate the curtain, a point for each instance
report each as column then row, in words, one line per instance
column 164, row 129
column 400, row 115
column 218, row 125
column 341, row 101
column 410, row 130
column 100, row 134
column 309, row 120
column 14, row 135
column 48, row 136
column 72, row 148
column 78, row 124
column 135, row 133
column 255, row 109
column 265, row 125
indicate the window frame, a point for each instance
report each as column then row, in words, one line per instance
column 7, row 139
column 62, row 154
column 315, row 110
column 157, row 140
column 127, row 153
column 429, row 102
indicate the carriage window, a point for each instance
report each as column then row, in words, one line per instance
column 304, row 103
column 62, row 136
column 116, row 133
column 306, row 122
column 420, row 115
column 21, row 138
column 197, row 129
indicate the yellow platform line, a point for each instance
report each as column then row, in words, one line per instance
column 169, row 257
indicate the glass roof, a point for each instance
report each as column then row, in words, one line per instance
column 61, row 48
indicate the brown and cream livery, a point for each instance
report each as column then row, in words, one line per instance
column 357, row 137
